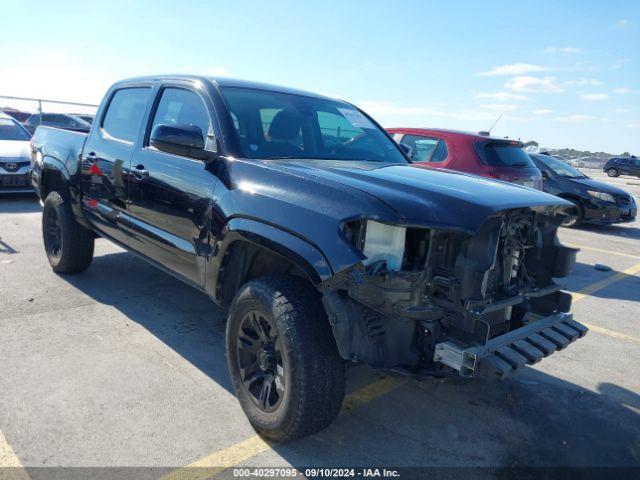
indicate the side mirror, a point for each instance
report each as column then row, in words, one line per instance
column 181, row 139
column 407, row 150
column 545, row 175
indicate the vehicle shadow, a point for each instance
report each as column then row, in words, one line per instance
column 627, row 287
column 530, row 419
column 179, row 315
column 19, row 203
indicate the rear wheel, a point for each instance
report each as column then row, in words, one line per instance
column 282, row 358
column 69, row 246
column 613, row 172
column 576, row 220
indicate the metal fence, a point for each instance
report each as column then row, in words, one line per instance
column 38, row 104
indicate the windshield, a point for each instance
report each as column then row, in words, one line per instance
column 506, row 155
column 273, row 125
column 559, row 167
column 11, row 130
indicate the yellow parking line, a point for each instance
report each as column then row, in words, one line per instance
column 601, row 250
column 611, row 333
column 217, row 462
column 605, row 282
column 10, row 466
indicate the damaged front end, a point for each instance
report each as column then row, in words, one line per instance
column 432, row 301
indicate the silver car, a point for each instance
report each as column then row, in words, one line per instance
column 15, row 156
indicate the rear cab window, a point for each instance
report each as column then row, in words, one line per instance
column 123, row 117
column 498, row 154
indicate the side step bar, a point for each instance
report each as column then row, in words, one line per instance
column 504, row 354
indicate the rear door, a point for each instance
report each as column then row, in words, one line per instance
column 171, row 196
column 106, row 157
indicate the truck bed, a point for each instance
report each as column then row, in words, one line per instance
column 57, row 146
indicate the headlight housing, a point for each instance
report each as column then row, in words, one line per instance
column 605, row 197
column 379, row 242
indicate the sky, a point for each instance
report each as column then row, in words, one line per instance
column 565, row 74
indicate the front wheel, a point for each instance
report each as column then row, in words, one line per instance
column 613, row 172
column 283, row 361
column 69, row 246
column 576, row 220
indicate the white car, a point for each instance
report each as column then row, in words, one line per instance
column 15, row 156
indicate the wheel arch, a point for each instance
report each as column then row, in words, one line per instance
column 53, row 177
column 251, row 249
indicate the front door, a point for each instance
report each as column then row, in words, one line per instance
column 171, row 196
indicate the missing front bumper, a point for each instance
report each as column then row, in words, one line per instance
column 503, row 354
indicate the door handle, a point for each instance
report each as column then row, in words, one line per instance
column 139, row 172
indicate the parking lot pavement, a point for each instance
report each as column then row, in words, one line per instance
column 124, row 366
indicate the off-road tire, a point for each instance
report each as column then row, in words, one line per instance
column 74, row 251
column 613, row 172
column 314, row 373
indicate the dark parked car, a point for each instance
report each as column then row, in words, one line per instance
column 617, row 166
column 19, row 115
column 303, row 217
column 596, row 202
column 84, row 116
column 60, row 120
column 475, row 153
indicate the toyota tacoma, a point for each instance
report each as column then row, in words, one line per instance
column 301, row 216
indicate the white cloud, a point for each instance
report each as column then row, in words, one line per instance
column 217, row 72
column 542, row 111
column 584, row 81
column 575, row 118
column 512, row 69
column 367, row 64
column 501, row 96
column 533, row 84
column 388, row 112
column 562, row 50
column 621, row 110
column 620, row 63
column 623, row 21
column 622, row 91
column 594, row 97
column 633, row 125
column 499, row 107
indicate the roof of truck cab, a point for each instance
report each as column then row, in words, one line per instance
column 226, row 82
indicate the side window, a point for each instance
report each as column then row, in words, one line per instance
column 178, row 106
column 426, row 149
column 124, row 113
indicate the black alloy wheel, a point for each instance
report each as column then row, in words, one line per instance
column 261, row 362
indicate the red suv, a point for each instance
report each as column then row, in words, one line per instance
column 470, row 152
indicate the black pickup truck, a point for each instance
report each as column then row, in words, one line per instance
column 303, row 217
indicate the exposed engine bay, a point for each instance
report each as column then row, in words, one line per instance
column 439, row 302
